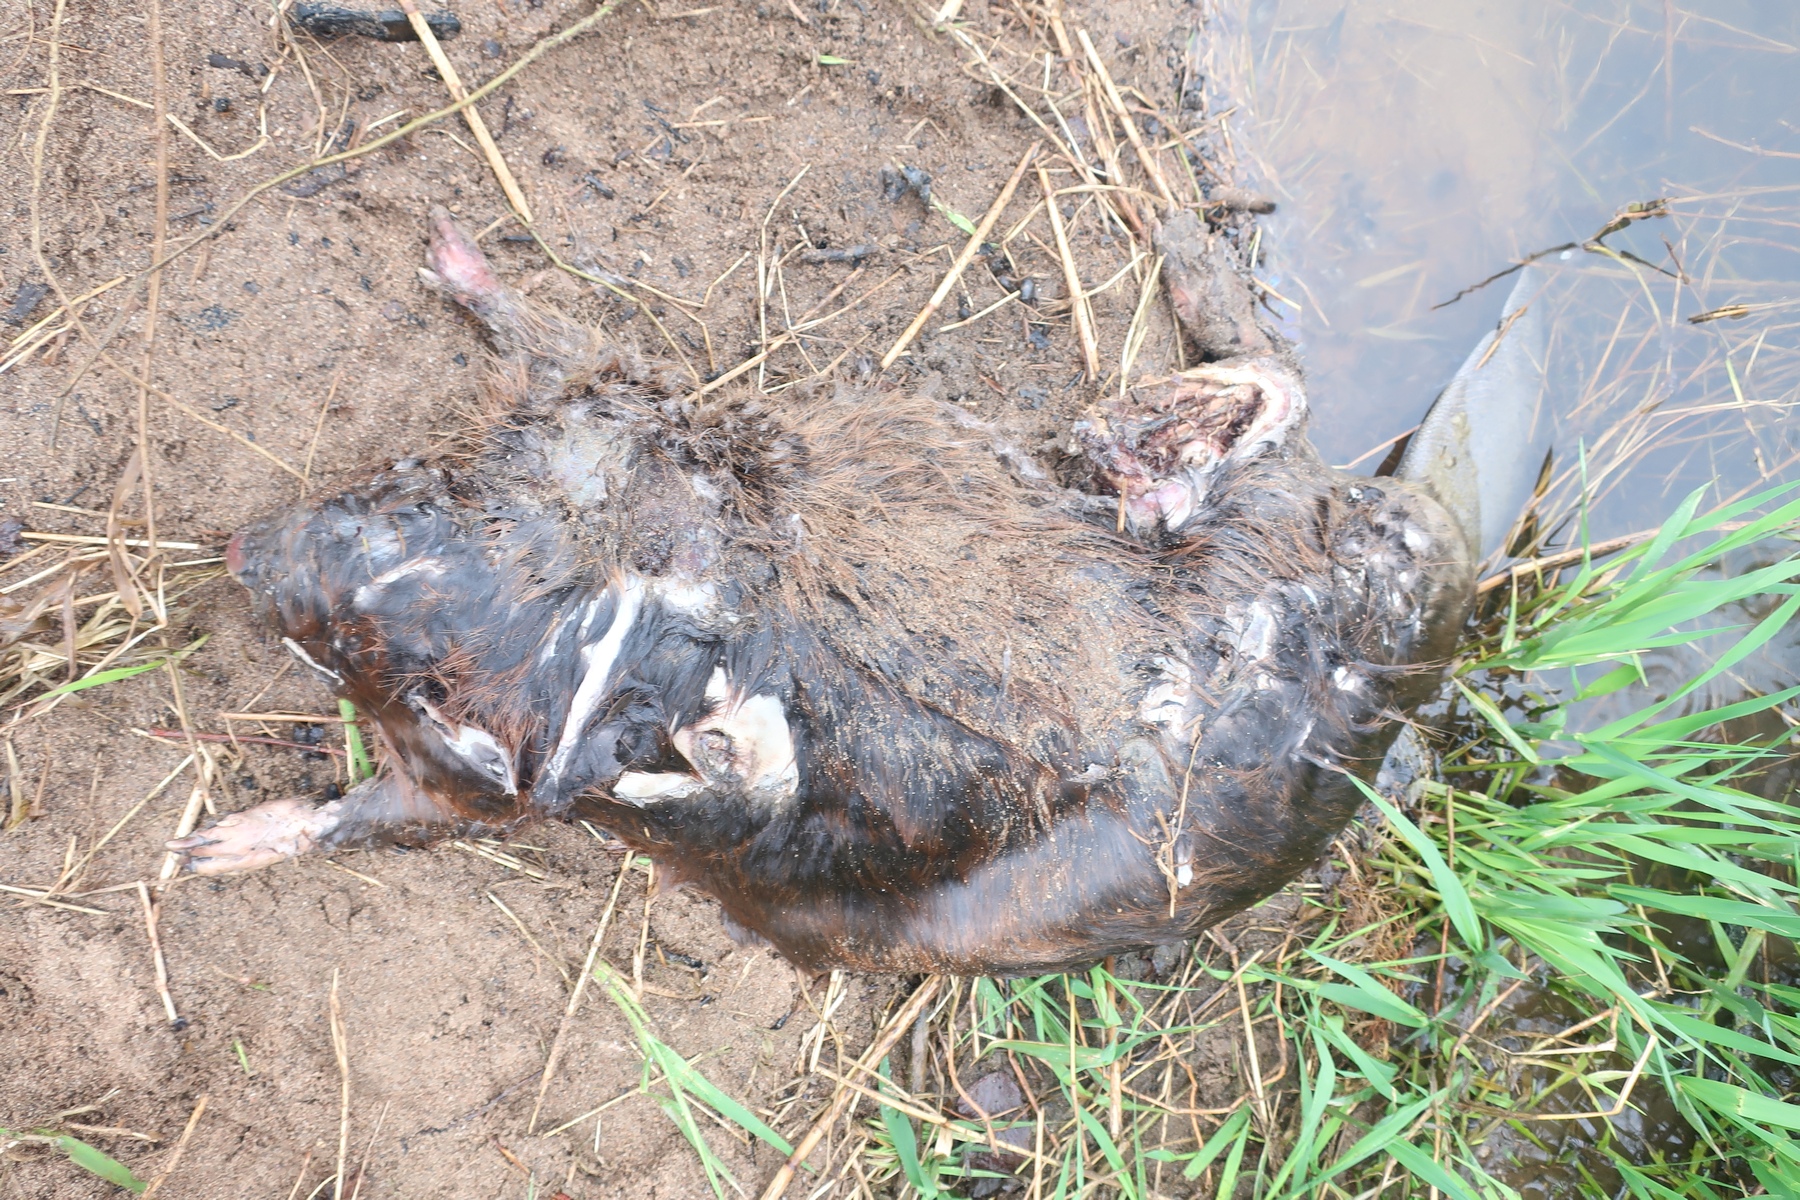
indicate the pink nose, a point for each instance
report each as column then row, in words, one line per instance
column 234, row 554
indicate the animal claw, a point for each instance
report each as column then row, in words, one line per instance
column 256, row 837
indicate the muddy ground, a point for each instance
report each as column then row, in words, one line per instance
column 666, row 146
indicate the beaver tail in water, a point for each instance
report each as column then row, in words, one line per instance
column 1473, row 452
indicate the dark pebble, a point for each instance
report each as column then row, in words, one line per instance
column 27, row 299
column 213, row 316
column 225, row 62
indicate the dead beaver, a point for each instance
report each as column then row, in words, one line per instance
column 896, row 705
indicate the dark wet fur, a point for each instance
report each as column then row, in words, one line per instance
column 958, row 653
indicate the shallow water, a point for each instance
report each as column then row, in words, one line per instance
column 1417, row 147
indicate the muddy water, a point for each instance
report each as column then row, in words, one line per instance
column 1419, row 146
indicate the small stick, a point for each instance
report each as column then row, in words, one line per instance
column 341, row 1045
column 963, row 259
column 338, row 866
column 1152, row 168
column 1565, row 558
column 112, row 1131
column 319, row 425
column 190, row 815
column 1084, row 322
column 229, row 432
column 363, row 1166
column 526, row 933
column 135, row 809
column 453, row 83
column 627, row 1094
column 156, row 955
column 16, row 780
column 159, row 243
column 1059, row 30
column 298, row 718
column 1259, row 1101
column 1372, row 451
column 637, row 958
column 587, row 973
column 124, row 577
column 175, row 735
column 305, row 1162
column 88, row 539
column 180, row 1146
column 890, row 1033
column 44, row 898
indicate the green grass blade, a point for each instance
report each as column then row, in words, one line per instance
column 1231, row 1133
column 1782, row 921
column 1451, row 892
column 1381, row 1136
column 98, row 1162
column 906, row 1145
column 360, row 767
column 1422, row 1165
column 1734, row 1101
column 1366, row 992
column 94, row 1161
column 111, row 675
column 1109, row 1149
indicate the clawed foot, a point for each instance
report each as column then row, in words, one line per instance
column 1212, row 299
column 257, row 837
column 458, row 268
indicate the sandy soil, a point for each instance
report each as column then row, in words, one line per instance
column 659, row 148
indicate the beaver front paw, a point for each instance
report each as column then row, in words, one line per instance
column 256, row 837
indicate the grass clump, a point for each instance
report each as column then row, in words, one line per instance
column 686, row 1095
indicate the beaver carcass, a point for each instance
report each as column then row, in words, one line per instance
column 896, row 704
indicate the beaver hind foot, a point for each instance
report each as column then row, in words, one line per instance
column 257, row 837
